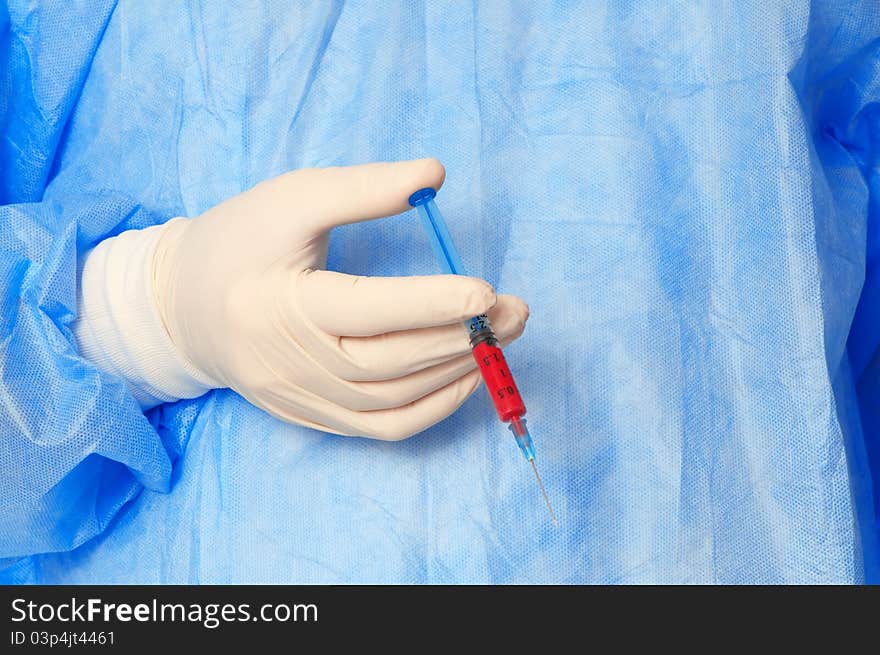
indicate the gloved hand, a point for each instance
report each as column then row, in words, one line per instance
column 238, row 297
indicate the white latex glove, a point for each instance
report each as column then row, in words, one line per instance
column 237, row 298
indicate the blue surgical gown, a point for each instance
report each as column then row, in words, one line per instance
column 687, row 194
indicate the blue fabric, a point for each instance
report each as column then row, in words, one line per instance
column 688, row 197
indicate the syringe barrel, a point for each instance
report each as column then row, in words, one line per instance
column 499, row 382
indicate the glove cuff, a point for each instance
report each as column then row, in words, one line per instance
column 119, row 327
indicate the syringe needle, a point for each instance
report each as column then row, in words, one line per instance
column 544, row 493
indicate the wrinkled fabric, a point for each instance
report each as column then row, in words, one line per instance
column 687, row 196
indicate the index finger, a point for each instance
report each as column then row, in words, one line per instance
column 356, row 306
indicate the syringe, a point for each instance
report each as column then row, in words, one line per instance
column 484, row 346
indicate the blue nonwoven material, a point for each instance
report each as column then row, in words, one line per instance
column 687, row 195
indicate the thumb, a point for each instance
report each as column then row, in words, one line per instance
column 329, row 197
